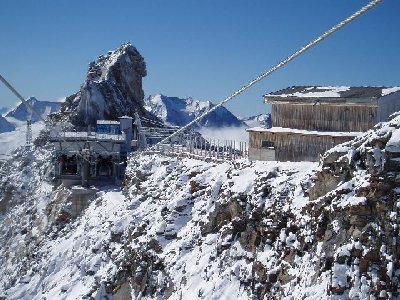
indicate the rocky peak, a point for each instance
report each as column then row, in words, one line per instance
column 113, row 88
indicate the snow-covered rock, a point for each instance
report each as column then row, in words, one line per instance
column 113, row 88
column 187, row 229
column 43, row 108
column 175, row 111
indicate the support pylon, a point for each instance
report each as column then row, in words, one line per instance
column 28, row 133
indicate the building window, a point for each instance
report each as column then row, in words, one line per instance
column 267, row 144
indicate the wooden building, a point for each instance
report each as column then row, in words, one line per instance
column 308, row 120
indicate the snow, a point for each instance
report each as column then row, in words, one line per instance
column 86, row 252
column 387, row 91
column 255, row 121
column 175, row 111
column 188, row 227
column 43, row 108
column 304, row 132
column 324, row 92
column 393, row 145
column 9, row 141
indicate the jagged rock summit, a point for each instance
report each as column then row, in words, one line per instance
column 175, row 111
column 113, row 88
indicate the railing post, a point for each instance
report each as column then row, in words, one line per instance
column 218, row 149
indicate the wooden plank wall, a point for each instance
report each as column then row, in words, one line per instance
column 388, row 105
column 296, row 147
column 324, row 117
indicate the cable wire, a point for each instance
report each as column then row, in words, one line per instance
column 15, row 92
column 323, row 36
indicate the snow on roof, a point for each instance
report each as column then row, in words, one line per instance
column 332, row 92
column 387, row 91
column 328, row 91
column 303, row 132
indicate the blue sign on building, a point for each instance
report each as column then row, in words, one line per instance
column 108, row 128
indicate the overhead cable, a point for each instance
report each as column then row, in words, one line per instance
column 314, row 42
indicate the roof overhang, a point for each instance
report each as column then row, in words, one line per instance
column 292, row 131
column 271, row 99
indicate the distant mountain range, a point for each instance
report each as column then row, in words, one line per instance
column 175, row 111
column 43, row 108
column 3, row 110
column 255, row 121
column 5, row 126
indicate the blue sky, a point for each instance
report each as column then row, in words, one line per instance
column 203, row 49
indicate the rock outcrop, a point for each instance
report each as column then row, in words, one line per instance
column 113, row 88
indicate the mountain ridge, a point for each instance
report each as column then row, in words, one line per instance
column 175, row 111
column 43, row 108
column 5, row 126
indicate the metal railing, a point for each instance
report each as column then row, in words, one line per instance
column 204, row 149
column 75, row 135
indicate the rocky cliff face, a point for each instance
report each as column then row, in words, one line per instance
column 274, row 232
column 113, row 88
column 188, row 229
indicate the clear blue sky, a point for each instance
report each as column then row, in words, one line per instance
column 204, row 49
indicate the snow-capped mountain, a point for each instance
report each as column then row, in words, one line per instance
column 188, row 229
column 255, row 121
column 176, row 111
column 16, row 137
column 5, row 126
column 43, row 108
